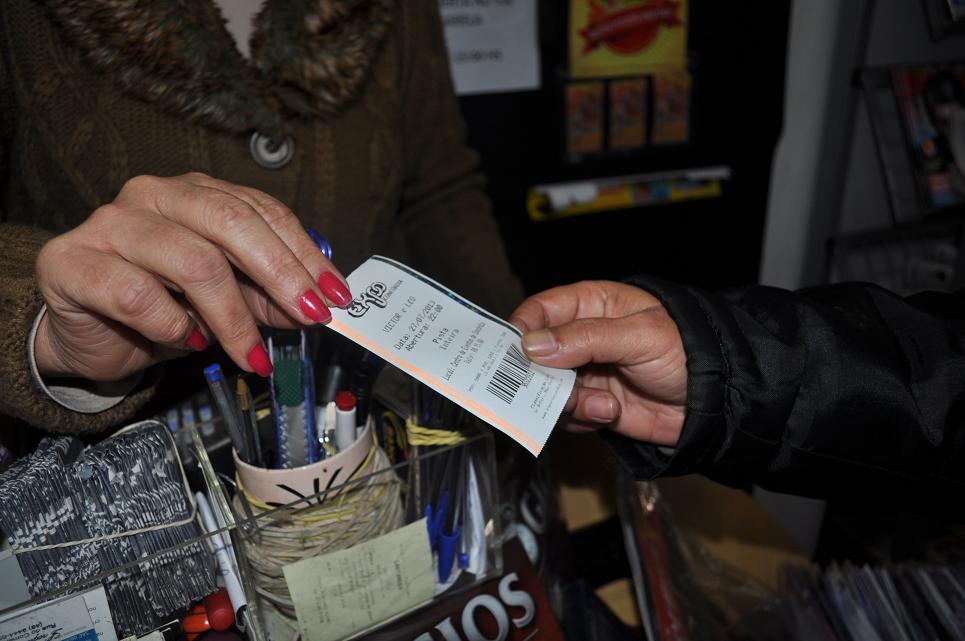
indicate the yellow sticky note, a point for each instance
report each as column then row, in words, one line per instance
column 344, row 592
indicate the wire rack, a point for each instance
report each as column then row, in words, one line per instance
column 905, row 259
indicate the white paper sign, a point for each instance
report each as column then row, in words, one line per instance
column 493, row 44
column 465, row 353
column 77, row 617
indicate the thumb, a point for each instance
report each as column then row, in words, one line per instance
column 624, row 340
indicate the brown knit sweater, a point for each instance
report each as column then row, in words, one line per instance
column 94, row 92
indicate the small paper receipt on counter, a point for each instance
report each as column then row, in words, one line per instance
column 344, row 592
column 461, row 351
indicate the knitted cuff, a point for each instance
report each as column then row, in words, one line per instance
column 20, row 304
column 78, row 394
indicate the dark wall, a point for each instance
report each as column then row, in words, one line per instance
column 737, row 57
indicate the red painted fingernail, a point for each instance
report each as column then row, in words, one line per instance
column 259, row 361
column 313, row 307
column 197, row 341
column 334, row 289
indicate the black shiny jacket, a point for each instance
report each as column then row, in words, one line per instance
column 832, row 390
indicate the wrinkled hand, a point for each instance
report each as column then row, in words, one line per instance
column 170, row 264
column 630, row 360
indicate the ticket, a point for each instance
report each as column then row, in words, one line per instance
column 461, row 351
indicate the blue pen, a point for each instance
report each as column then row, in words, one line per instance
column 446, row 545
column 314, row 448
column 436, row 518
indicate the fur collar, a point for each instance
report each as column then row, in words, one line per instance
column 309, row 58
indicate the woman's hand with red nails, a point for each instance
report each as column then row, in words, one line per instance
column 170, row 264
column 630, row 360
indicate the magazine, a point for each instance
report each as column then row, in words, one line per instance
column 931, row 101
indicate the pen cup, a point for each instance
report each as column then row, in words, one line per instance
column 279, row 487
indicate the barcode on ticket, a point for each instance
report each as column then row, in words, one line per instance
column 513, row 372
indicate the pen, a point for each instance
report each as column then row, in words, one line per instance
column 226, row 564
column 315, row 451
column 344, row 420
column 335, row 376
column 360, row 384
column 250, row 422
column 428, row 401
column 459, row 523
column 361, row 380
column 293, row 401
column 229, row 410
column 323, row 245
column 416, row 402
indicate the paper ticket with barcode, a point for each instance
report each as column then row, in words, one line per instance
column 461, row 351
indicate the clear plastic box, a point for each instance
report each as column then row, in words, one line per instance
column 352, row 506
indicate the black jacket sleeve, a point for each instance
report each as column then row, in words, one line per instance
column 838, row 389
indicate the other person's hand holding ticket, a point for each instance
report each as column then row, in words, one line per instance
column 823, row 391
column 630, row 360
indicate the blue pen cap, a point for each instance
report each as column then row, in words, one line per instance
column 213, row 372
column 323, row 245
column 448, row 544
